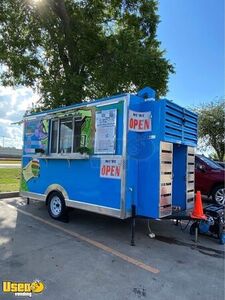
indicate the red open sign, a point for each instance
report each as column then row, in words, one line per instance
column 139, row 125
column 139, row 121
column 110, row 168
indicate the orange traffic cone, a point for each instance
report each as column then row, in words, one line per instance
column 198, row 210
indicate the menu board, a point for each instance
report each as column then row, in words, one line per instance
column 105, row 131
column 35, row 135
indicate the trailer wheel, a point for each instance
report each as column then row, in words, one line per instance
column 56, row 205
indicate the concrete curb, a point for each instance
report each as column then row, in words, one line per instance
column 9, row 194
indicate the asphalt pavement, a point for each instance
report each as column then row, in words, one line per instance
column 91, row 258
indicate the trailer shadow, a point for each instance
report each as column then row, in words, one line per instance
column 100, row 226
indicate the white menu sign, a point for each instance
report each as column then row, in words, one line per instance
column 140, row 121
column 105, row 131
column 111, row 168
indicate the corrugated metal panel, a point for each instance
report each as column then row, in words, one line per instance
column 180, row 124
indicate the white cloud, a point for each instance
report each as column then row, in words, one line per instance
column 13, row 105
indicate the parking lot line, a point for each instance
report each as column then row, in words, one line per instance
column 99, row 245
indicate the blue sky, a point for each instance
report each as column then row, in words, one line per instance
column 191, row 32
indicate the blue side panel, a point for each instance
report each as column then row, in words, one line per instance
column 133, row 154
column 148, row 175
column 81, row 180
column 79, row 177
column 143, row 156
column 179, row 178
column 131, row 183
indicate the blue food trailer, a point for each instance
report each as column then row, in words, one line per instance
column 120, row 156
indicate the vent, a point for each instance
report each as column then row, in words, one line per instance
column 180, row 124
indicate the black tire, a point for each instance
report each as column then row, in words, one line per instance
column 56, row 206
column 218, row 195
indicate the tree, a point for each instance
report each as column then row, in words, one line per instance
column 70, row 50
column 211, row 126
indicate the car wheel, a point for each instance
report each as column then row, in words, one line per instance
column 218, row 195
column 56, row 206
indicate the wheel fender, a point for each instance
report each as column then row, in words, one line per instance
column 58, row 188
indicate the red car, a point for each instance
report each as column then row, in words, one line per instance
column 209, row 179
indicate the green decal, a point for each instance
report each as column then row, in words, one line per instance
column 31, row 170
column 23, row 185
column 86, row 133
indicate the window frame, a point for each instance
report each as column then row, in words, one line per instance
column 50, row 138
column 73, row 146
column 59, row 120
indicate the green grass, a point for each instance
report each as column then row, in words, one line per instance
column 9, row 179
